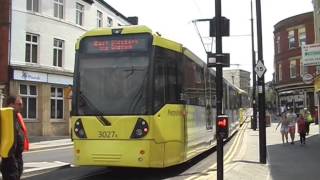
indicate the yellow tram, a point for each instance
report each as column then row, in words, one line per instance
column 140, row 100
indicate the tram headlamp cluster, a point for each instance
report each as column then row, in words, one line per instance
column 79, row 130
column 141, row 129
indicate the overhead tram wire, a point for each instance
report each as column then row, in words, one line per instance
column 198, row 32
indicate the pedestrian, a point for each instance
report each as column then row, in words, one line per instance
column 302, row 124
column 284, row 129
column 309, row 121
column 12, row 166
column 292, row 119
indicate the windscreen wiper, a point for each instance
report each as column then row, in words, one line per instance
column 99, row 115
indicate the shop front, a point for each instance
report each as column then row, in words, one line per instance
column 46, row 101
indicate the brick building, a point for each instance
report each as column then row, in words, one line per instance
column 293, row 80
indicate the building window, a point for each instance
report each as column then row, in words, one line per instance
column 33, row 5
column 109, row 22
column 28, row 94
column 58, row 8
column 291, row 39
column 32, row 43
column 317, row 69
column 302, row 36
column 279, row 72
column 56, row 103
column 57, row 52
column 278, row 44
column 293, row 69
column 303, row 69
column 79, row 14
column 99, row 19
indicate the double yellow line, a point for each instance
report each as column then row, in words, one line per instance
column 229, row 155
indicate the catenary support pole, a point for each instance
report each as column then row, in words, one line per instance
column 254, row 101
column 219, row 87
column 261, row 90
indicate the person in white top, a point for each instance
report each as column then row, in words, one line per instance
column 292, row 119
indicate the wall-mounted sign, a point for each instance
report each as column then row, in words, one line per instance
column 30, row 76
column 310, row 54
column 41, row 77
column 307, row 78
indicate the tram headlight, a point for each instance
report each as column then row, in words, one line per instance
column 79, row 130
column 141, row 129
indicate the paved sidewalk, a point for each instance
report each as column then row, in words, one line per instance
column 284, row 161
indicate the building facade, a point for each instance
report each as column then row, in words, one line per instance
column 293, row 80
column 239, row 78
column 41, row 58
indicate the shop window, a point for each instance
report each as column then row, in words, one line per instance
column 29, row 95
column 56, row 103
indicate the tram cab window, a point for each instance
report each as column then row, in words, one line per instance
column 166, row 89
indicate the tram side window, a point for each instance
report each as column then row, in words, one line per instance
column 193, row 83
column 212, row 86
column 225, row 97
column 172, row 81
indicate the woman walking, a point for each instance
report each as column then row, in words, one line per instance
column 302, row 124
column 284, row 129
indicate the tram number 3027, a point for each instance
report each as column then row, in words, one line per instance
column 107, row 134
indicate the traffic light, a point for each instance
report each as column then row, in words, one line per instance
column 223, row 126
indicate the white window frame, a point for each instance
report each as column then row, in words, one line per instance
column 291, row 39
column 278, row 43
column 33, row 4
column 293, row 68
column 302, row 36
column 56, row 98
column 317, row 69
column 58, row 6
column 58, row 47
column 28, row 96
column 79, row 14
column 303, row 69
column 280, row 72
column 109, row 22
column 32, row 44
column 99, row 18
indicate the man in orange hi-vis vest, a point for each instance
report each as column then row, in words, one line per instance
column 12, row 166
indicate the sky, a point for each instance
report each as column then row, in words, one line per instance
column 173, row 20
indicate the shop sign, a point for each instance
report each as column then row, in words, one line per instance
column 30, row 76
column 307, row 78
column 60, row 79
column 311, row 54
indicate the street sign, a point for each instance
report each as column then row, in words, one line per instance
column 260, row 69
column 310, row 54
